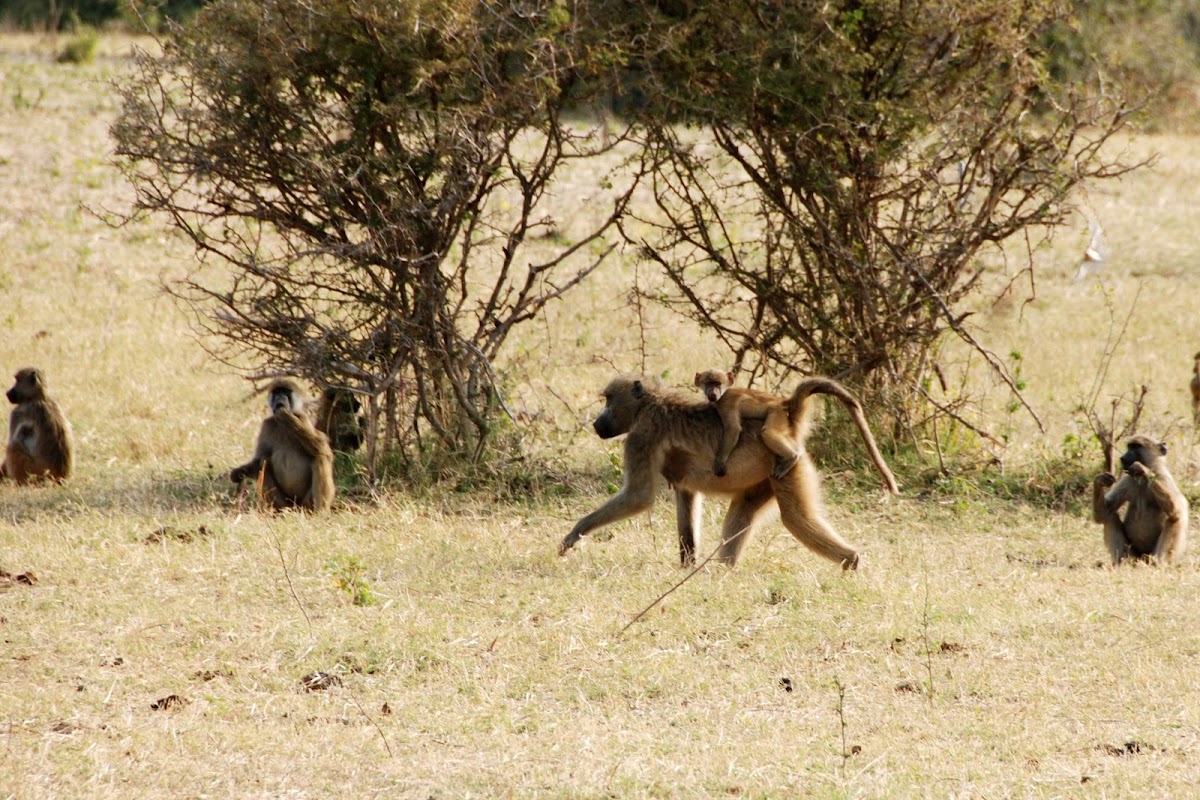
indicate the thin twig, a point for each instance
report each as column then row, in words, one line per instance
column 925, row 626
column 291, row 588
column 686, row 578
column 841, row 712
column 1110, row 345
column 957, row 326
column 370, row 719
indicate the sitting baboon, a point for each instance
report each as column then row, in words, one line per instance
column 39, row 436
column 337, row 417
column 1156, row 519
column 1195, row 385
column 735, row 405
column 674, row 435
column 292, row 459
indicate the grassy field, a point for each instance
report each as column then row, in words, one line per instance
column 156, row 633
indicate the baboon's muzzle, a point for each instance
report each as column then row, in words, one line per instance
column 604, row 428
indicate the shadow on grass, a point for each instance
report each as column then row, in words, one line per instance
column 208, row 491
column 137, row 495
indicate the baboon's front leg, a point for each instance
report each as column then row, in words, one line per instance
column 1100, row 486
column 687, row 520
column 1105, row 503
column 251, row 468
column 731, row 430
column 743, row 516
column 625, row 503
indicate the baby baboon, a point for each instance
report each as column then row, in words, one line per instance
column 735, row 405
column 1195, row 384
column 337, row 417
column 1156, row 519
column 292, row 459
column 39, row 436
column 674, row 435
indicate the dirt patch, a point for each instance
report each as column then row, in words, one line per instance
column 1130, row 748
column 166, row 533
column 319, row 681
column 8, row 580
column 168, row 702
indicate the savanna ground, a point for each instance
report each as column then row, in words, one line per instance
column 983, row 650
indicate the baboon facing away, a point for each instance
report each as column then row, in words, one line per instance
column 674, row 435
column 1195, row 386
column 337, row 417
column 1156, row 518
column 735, row 405
column 39, row 436
column 292, row 459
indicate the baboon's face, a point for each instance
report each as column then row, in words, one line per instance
column 29, row 386
column 713, row 383
column 1143, row 450
column 622, row 399
column 284, row 394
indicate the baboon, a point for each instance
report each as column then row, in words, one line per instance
column 675, row 435
column 337, row 417
column 1156, row 520
column 292, row 459
column 39, row 436
column 1195, row 384
column 735, row 405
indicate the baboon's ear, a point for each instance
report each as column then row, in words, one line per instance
column 729, row 377
column 1162, row 448
column 638, row 390
column 696, row 380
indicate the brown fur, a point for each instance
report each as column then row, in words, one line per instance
column 1195, row 387
column 292, row 461
column 1156, row 518
column 736, row 405
column 337, row 418
column 39, row 436
column 674, row 435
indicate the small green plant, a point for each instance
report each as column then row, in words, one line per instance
column 347, row 572
column 81, row 47
column 22, row 103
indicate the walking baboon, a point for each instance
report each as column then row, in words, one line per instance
column 1156, row 519
column 292, row 459
column 735, row 405
column 1195, row 385
column 337, row 417
column 674, row 435
column 39, row 436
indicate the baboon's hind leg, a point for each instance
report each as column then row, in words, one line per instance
column 803, row 514
column 780, row 439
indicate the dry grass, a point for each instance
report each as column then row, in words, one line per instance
column 160, row 650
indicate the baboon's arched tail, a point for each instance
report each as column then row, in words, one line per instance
column 799, row 408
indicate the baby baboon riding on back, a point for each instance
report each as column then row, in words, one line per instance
column 735, row 405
